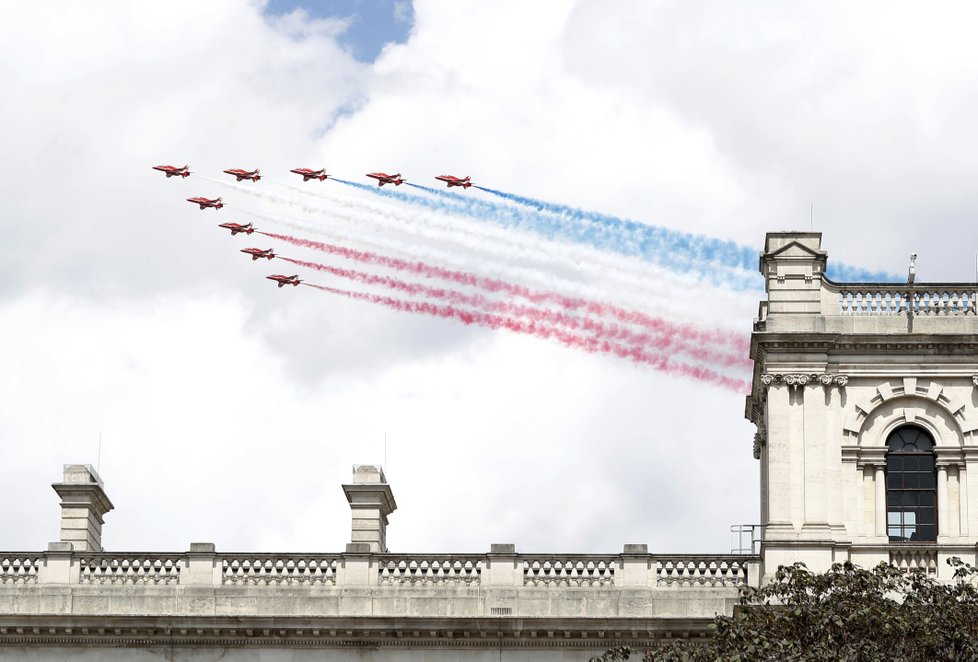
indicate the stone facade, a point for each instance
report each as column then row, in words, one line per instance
column 364, row 603
column 837, row 369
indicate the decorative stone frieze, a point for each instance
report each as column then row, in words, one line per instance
column 803, row 379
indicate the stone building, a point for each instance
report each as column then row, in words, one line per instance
column 865, row 400
column 864, row 397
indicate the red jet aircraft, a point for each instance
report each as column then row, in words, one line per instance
column 308, row 173
column 244, row 174
column 173, row 170
column 383, row 178
column 256, row 253
column 285, row 280
column 204, row 202
column 454, row 181
column 235, row 228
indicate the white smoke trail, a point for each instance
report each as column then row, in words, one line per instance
column 511, row 247
column 691, row 306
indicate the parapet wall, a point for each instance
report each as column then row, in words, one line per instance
column 202, row 597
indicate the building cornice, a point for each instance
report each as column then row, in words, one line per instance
column 359, row 632
column 958, row 343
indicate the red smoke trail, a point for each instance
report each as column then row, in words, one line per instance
column 607, row 332
column 589, row 344
column 737, row 342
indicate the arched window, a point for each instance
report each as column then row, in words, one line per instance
column 911, row 480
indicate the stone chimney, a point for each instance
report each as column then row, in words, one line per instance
column 83, row 504
column 371, row 501
column 793, row 264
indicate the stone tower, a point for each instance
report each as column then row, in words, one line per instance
column 866, row 406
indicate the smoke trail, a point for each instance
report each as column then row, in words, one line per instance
column 506, row 245
column 455, row 195
column 717, row 262
column 591, row 344
column 496, row 286
column 679, row 299
column 660, row 341
column 427, row 188
column 727, row 251
column 380, row 218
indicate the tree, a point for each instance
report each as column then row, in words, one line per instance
column 847, row 613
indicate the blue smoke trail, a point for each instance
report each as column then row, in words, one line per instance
column 701, row 256
column 672, row 250
column 447, row 193
column 843, row 273
column 727, row 251
column 427, row 188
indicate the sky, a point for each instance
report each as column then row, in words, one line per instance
column 642, row 135
column 369, row 25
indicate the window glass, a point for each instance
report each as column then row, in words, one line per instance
column 911, row 477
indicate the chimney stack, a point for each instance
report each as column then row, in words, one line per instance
column 83, row 503
column 371, row 501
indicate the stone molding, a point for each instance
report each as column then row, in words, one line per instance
column 804, row 379
column 143, row 632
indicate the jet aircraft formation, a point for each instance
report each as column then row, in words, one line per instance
column 621, row 332
column 308, row 173
column 241, row 174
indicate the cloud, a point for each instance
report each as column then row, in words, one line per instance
column 96, row 95
column 862, row 110
column 232, row 411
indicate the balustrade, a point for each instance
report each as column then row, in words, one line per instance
column 569, row 571
column 130, row 568
column 700, row 571
column 292, row 569
column 924, row 300
column 911, row 558
column 19, row 568
column 417, row 569
column 406, row 570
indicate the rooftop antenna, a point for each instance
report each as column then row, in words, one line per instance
column 98, row 461
column 385, row 449
column 912, row 273
column 811, row 218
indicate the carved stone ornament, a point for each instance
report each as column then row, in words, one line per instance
column 795, row 379
column 974, row 379
column 760, row 439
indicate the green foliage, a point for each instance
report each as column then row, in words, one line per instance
column 847, row 613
